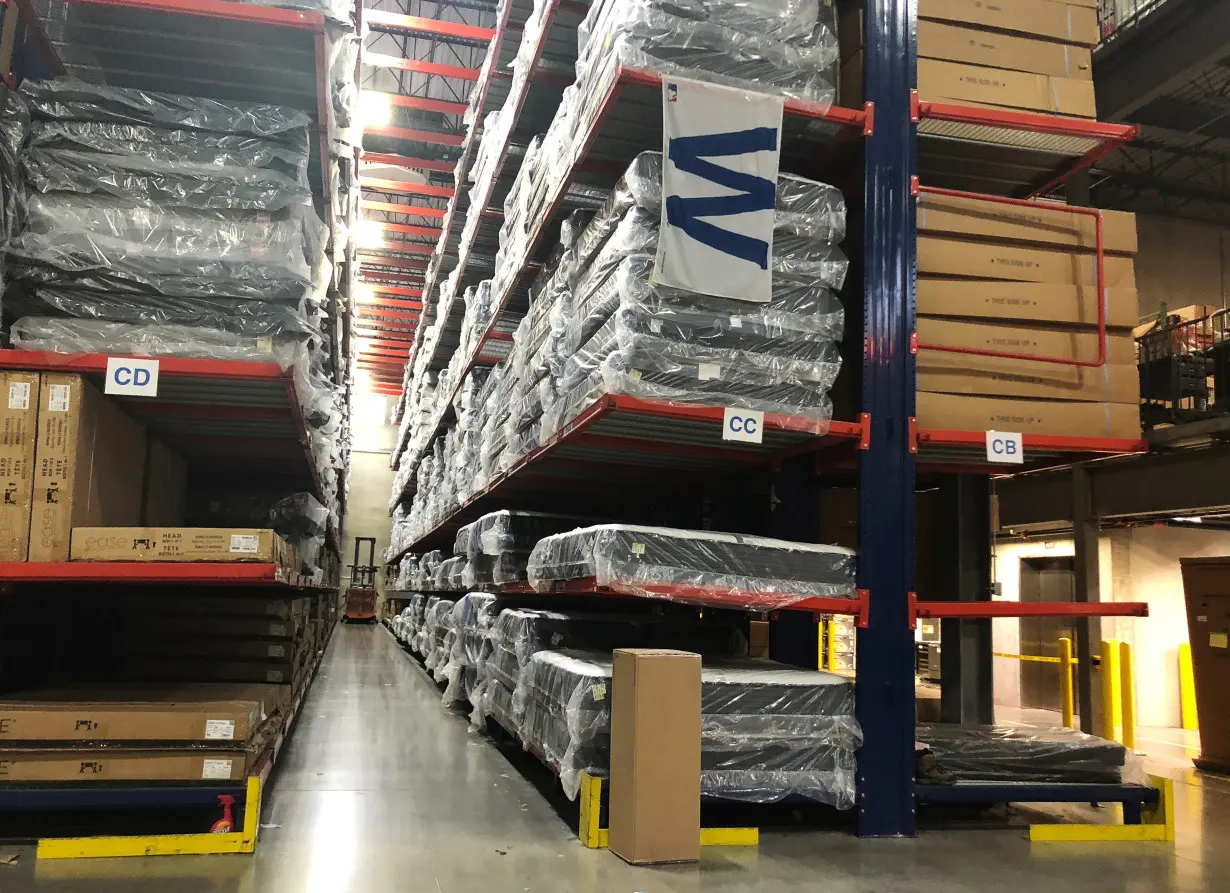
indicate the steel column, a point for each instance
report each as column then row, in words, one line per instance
column 1086, row 583
column 966, row 689
column 885, row 667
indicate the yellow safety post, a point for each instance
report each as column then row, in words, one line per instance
column 1065, row 683
column 830, row 628
column 1112, row 709
column 1127, row 676
column 1187, row 688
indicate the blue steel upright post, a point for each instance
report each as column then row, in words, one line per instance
column 885, row 665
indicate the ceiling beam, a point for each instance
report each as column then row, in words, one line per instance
column 403, row 247
column 404, row 186
column 380, row 20
column 418, row 164
column 419, row 103
column 380, row 60
column 382, row 289
column 431, row 137
column 408, row 210
column 406, row 229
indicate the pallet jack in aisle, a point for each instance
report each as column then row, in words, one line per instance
column 361, row 594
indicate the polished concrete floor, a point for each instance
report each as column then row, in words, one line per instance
column 381, row 790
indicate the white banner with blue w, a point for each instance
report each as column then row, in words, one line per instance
column 720, row 150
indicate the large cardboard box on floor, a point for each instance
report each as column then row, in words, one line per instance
column 139, row 713
column 89, row 465
column 19, row 394
column 655, row 755
column 953, row 412
column 180, row 544
column 1025, row 301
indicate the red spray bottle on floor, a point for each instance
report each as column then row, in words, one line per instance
column 226, row 824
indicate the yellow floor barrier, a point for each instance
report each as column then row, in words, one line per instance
column 594, row 836
column 163, row 844
column 1157, row 824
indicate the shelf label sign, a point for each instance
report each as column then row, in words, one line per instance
column 131, row 377
column 1005, row 448
column 743, row 425
column 720, row 151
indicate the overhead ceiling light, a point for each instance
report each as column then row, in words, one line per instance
column 375, row 109
column 1190, row 519
column 369, row 233
column 364, row 293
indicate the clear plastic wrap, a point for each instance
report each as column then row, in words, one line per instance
column 437, row 624
column 302, row 521
column 473, row 616
column 792, row 21
column 72, row 99
column 1021, row 753
column 150, row 340
column 751, row 573
column 663, row 37
column 508, row 531
column 768, row 732
column 14, row 131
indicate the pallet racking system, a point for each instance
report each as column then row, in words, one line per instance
column 634, row 446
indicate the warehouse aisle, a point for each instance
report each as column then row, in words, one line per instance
column 384, row 791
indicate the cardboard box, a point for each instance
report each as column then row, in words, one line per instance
column 943, row 256
column 758, row 638
column 271, row 672
column 166, row 487
column 46, row 716
column 951, row 412
column 995, row 49
column 89, row 465
column 955, row 82
column 185, row 604
column 989, row 377
column 655, row 755
column 1044, row 223
column 226, row 649
column 19, row 393
column 122, row 764
column 1024, row 301
column 180, row 544
column 1074, row 22
column 171, row 625
column 1023, row 338
column 1206, row 588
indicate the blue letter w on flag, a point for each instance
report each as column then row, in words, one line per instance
column 689, row 154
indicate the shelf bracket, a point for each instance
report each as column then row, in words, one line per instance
column 864, row 607
column 869, row 122
column 915, row 110
column 864, row 440
column 913, row 596
column 913, row 433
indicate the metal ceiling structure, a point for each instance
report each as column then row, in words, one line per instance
column 419, row 64
column 1165, row 66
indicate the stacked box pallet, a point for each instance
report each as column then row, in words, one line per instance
column 1025, row 55
column 1021, row 280
column 138, row 732
column 216, row 638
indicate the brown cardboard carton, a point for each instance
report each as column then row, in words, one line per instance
column 1182, row 314
column 990, row 377
column 43, row 716
column 217, row 647
column 655, row 756
column 951, row 412
column 758, row 638
column 19, row 394
column 166, row 487
column 1044, row 223
column 241, row 605
column 954, row 82
column 122, row 764
column 942, row 256
column 179, row 544
column 1024, row 301
column 995, row 49
column 89, row 465
column 1206, row 588
column 1071, row 22
column 272, row 672
column 1079, row 345
column 171, row 625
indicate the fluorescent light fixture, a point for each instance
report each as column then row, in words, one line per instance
column 375, row 110
column 369, row 233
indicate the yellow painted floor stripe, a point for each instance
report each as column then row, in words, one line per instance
column 1095, row 833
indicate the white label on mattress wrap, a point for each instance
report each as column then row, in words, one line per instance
column 1203, row 618
column 277, row 629
column 219, row 729
column 246, row 543
column 216, row 769
column 275, row 676
column 655, row 325
column 556, row 639
column 709, row 371
column 58, row 397
column 277, row 651
column 736, row 322
column 265, row 344
column 1219, row 640
column 19, row 395
column 598, row 691
column 634, row 374
column 638, row 548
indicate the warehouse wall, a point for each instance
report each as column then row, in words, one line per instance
column 1181, row 263
column 1136, row 564
column 371, row 478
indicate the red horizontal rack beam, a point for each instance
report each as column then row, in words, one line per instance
column 992, row 610
column 1054, row 443
column 404, row 186
column 419, row 103
column 391, row 303
column 380, row 20
column 402, row 247
column 420, row 164
column 457, row 72
column 382, row 288
column 408, row 210
column 394, row 262
column 407, row 229
column 432, row 137
column 218, row 573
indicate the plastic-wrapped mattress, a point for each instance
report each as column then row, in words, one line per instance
column 754, row 573
column 62, row 335
column 1022, row 753
column 768, row 732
